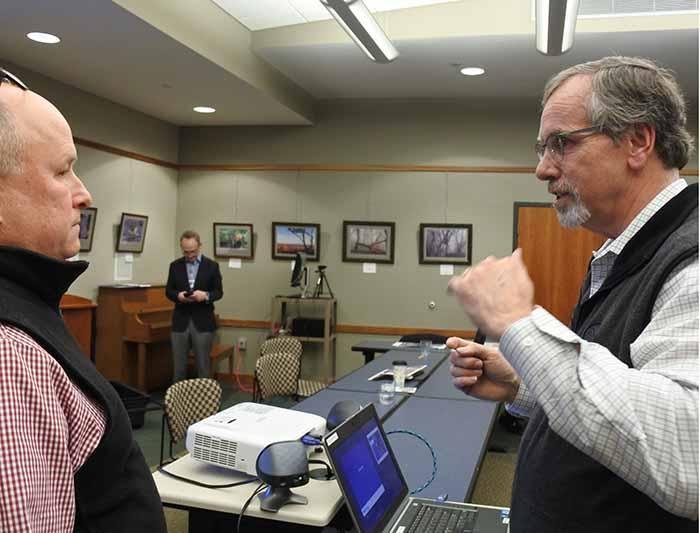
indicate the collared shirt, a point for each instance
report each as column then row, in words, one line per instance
column 604, row 257
column 640, row 422
column 192, row 269
column 48, row 429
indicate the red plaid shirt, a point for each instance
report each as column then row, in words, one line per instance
column 48, row 429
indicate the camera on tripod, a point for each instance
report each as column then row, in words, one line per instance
column 322, row 280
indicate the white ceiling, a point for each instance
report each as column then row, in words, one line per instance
column 424, row 69
column 107, row 51
column 110, row 52
column 265, row 14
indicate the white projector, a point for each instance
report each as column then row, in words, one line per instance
column 234, row 437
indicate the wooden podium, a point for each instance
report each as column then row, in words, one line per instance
column 79, row 317
column 133, row 335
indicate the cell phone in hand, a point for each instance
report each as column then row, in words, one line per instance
column 188, row 293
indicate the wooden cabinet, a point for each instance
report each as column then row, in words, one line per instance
column 285, row 309
column 79, row 317
column 133, row 335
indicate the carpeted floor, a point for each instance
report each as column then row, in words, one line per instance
column 494, row 484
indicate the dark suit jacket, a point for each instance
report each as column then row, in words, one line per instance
column 209, row 280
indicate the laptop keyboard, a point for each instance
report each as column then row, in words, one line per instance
column 441, row 519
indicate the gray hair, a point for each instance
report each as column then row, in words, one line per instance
column 626, row 91
column 10, row 144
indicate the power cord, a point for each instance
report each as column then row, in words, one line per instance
column 247, row 503
column 205, row 485
column 432, row 453
column 329, row 471
column 237, row 371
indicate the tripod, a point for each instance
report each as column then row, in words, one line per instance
column 320, row 281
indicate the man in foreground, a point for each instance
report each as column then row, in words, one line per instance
column 68, row 460
column 612, row 442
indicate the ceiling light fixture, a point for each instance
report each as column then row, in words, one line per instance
column 45, row 38
column 471, row 71
column 354, row 17
column 556, row 25
column 204, row 109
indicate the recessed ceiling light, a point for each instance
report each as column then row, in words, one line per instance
column 472, row 71
column 204, row 109
column 45, row 38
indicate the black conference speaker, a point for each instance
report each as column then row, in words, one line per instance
column 340, row 412
column 282, row 465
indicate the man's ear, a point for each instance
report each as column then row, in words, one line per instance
column 640, row 142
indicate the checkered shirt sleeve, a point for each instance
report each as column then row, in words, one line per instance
column 640, row 422
column 48, row 429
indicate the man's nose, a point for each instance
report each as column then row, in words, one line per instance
column 81, row 196
column 547, row 169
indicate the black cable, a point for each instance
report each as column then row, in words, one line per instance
column 329, row 472
column 205, row 485
column 432, row 453
column 246, row 504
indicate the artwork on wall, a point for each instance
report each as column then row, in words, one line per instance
column 368, row 242
column 88, row 217
column 132, row 233
column 446, row 244
column 288, row 238
column 233, row 240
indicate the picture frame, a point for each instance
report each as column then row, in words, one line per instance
column 132, row 233
column 368, row 242
column 288, row 238
column 233, row 239
column 88, row 219
column 445, row 244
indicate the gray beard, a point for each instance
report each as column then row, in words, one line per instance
column 575, row 214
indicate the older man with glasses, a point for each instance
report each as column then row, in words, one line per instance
column 612, row 400
column 68, row 460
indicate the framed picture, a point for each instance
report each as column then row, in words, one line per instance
column 368, row 242
column 446, row 244
column 132, row 233
column 88, row 217
column 289, row 238
column 233, row 240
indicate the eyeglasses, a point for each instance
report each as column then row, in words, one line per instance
column 8, row 77
column 556, row 143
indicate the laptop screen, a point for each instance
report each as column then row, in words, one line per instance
column 366, row 470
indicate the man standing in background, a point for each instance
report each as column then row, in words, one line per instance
column 194, row 284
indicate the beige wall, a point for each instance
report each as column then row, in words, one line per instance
column 119, row 184
column 440, row 133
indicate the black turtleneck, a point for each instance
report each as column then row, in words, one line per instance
column 114, row 490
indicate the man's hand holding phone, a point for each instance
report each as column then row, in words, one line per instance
column 185, row 296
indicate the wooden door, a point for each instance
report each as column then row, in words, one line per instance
column 556, row 258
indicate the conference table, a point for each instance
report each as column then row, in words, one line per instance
column 372, row 346
column 457, row 427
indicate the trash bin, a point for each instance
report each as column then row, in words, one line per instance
column 134, row 401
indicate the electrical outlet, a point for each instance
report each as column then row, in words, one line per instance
column 242, row 343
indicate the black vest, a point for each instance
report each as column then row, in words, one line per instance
column 559, row 489
column 114, row 490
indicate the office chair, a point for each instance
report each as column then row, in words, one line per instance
column 278, row 371
column 185, row 403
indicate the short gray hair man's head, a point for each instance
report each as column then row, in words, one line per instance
column 10, row 143
column 627, row 91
